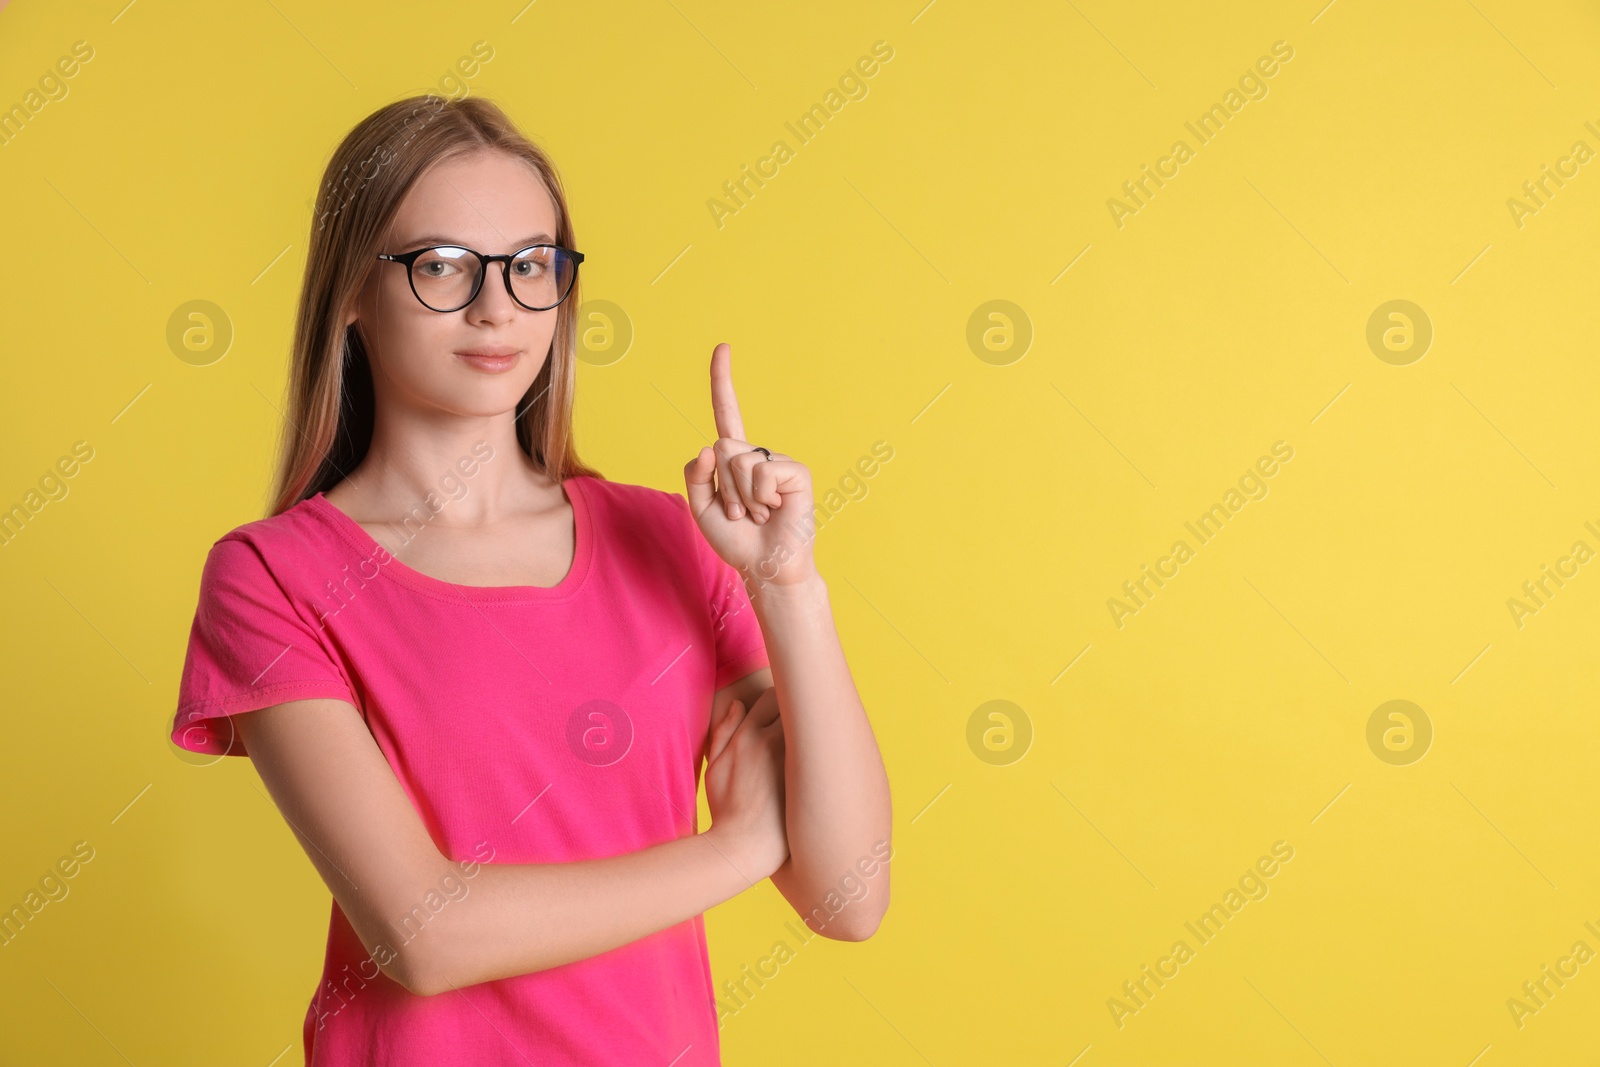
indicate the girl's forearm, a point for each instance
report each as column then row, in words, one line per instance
column 836, row 788
column 520, row 918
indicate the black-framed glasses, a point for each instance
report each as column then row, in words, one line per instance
column 448, row 277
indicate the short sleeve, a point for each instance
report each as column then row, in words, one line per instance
column 249, row 648
column 740, row 647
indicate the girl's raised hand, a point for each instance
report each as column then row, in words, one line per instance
column 754, row 511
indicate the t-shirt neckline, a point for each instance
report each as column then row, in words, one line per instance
column 583, row 553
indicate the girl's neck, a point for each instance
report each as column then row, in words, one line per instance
column 475, row 464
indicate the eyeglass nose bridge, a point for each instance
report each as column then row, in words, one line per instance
column 506, row 259
column 484, row 259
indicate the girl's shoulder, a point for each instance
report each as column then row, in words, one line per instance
column 310, row 521
column 639, row 512
column 630, row 502
column 301, row 538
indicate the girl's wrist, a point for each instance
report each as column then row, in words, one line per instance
column 806, row 596
column 739, row 851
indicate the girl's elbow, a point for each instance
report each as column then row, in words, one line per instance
column 858, row 926
column 857, row 931
column 422, row 974
column 415, row 976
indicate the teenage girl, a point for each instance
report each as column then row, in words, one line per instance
column 480, row 680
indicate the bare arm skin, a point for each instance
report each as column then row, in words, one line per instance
column 838, row 806
column 357, row 825
column 755, row 508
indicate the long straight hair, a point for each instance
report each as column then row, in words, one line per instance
column 331, row 399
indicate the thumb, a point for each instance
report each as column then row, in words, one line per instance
column 697, row 480
column 724, row 729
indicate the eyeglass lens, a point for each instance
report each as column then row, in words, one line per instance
column 444, row 278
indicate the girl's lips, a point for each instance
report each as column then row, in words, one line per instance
column 489, row 364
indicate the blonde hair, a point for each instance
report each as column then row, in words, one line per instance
column 331, row 400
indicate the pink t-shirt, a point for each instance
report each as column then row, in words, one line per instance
column 526, row 724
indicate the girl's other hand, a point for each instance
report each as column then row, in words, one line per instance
column 745, row 788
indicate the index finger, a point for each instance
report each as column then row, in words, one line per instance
column 724, row 404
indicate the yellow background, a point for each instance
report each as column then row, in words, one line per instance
column 1229, row 313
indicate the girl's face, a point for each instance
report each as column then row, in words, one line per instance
column 489, row 202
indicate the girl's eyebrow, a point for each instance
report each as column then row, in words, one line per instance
column 435, row 239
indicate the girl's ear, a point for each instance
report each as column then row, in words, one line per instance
column 352, row 310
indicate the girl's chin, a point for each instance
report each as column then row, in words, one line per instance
column 489, row 400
